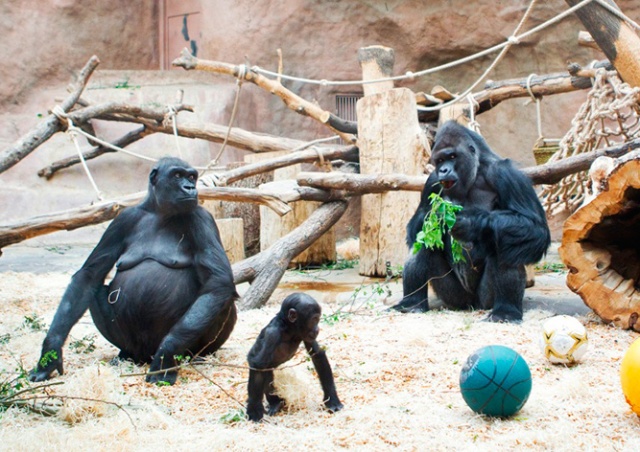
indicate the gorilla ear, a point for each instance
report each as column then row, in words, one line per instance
column 153, row 176
column 292, row 315
column 472, row 149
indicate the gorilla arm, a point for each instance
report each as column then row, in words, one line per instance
column 325, row 375
column 84, row 286
column 516, row 231
column 216, row 295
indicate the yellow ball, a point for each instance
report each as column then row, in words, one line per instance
column 630, row 376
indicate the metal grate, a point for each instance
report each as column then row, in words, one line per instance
column 346, row 106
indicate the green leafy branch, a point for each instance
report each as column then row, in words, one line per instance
column 440, row 219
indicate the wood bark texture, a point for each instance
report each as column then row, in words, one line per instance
column 390, row 141
column 600, row 246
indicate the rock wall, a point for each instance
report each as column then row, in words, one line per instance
column 46, row 42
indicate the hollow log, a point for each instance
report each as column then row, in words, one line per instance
column 601, row 247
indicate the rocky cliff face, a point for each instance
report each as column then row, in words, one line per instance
column 46, row 42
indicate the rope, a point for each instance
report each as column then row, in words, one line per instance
column 513, row 39
column 537, row 101
column 473, row 124
column 610, row 115
column 242, row 73
column 619, row 14
column 173, row 114
column 71, row 131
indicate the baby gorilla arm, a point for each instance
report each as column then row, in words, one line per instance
column 325, row 374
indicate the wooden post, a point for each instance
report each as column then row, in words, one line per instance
column 232, row 237
column 273, row 227
column 390, row 141
column 615, row 38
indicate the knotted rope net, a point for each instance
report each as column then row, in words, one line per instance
column 610, row 116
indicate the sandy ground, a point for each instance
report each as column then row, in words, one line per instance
column 397, row 375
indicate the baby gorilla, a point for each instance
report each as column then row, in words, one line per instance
column 296, row 322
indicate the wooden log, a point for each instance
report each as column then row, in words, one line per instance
column 616, row 39
column 232, row 237
column 274, row 227
column 291, row 100
column 376, row 63
column 50, row 125
column 265, row 270
column 69, row 220
column 390, row 141
column 600, row 247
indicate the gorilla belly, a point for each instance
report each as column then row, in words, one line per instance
column 144, row 303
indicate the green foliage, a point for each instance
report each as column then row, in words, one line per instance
column 162, row 383
column 233, row 416
column 51, row 355
column 84, row 345
column 181, row 359
column 343, row 264
column 441, row 218
column 335, row 317
column 550, row 267
column 34, row 322
column 5, row 338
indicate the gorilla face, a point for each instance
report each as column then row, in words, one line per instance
column 456, row 162
column 173, row 183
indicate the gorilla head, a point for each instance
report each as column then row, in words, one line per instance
column 172, row 187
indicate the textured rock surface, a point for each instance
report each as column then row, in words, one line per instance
column 46, row 42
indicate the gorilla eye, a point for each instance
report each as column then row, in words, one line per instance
column 177, row 175
column 452, row 157
column 192, row 178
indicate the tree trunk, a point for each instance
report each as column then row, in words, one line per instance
column 615, row 38
column 601, row 247
column 390, row 141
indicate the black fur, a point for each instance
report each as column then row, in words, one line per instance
column 173, row 291
column 277, row 343
column 502, row 227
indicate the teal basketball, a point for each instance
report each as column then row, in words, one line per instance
column 495, row 381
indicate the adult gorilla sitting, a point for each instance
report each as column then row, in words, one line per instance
column 502, row 227
column 173, row 291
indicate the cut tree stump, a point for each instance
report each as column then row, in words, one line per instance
column 274, row 227
column 390, row 141
column 601, row 247
column 232, row 237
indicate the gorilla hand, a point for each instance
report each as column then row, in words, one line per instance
column 161, row 362
column 470, row 222
column 50, row 360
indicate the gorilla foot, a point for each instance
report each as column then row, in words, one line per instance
column 503, row 317
column 275, row 408
column 407, row 306
column 334, row 405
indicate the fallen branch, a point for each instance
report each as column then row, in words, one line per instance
column 264, row 270
column 553, row 172
column 312, row 155
column 76, row 218
column 359, row 184
column 291, row 100
column 127, row 139
column 50, row 125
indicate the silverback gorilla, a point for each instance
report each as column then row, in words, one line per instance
column 173, row 291
column 502, row 227
column 276, row 344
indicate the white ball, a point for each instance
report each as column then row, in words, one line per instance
column 563, row 340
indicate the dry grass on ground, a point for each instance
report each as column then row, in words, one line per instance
column 397, row 376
